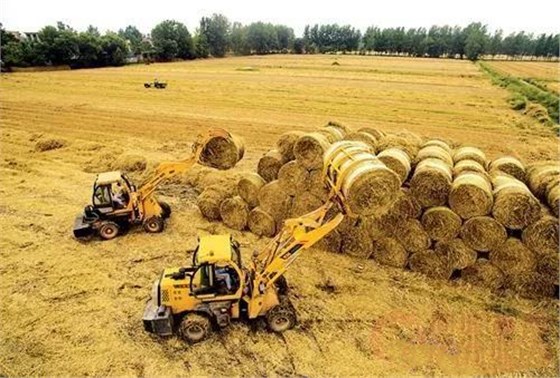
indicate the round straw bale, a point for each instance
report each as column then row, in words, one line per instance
column 513, row 257
column 331, row 242
column 441, row 223
column 547, row 265
column 332, row 134
column 285, row 144
column 411, row 137
column 431, row 264
column 275, row 201
column 377, row 134
column 553, row 197
column 309, row 150
column 470, row 153
column 269, row 165
column 431, row 182
column 471, row 195
column 234, row 212
column 468, row 166
column 356, row 241
column 483, row 273
column 344, row 129
column 131, row 163
column 248, row 188
column 483, row 234
column 304, row 203
column 532, row 285
column 412, row 236
column 435, row 152
column 542, row 236
column 293, row 178
column 540, row 175
column 222, row 152
column 456, row 252
column 514, row 205
column 261, row 223
column 317, row 185
column 362, row 137
column 209, row 201
column 397, row 160
column 405, row 207
column 509, row 165
column 438, row 143
column 394, row 141
column 388, row 251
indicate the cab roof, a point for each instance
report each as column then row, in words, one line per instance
column 109, row 177
column 214, row 248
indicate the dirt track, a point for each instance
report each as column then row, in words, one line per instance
column 74, row 309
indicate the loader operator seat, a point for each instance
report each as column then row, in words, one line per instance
column 227, row 280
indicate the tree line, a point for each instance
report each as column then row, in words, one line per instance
column 216, row 36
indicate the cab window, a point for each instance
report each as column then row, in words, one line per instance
column 202, row 281
column 102, row 196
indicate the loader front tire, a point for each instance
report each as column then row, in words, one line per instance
column 281, row 318
column 194, row 328
column 109, row 230
column 153, row 224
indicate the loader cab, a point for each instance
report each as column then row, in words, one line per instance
column 105, row 186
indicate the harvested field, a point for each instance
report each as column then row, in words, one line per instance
column 74, row 309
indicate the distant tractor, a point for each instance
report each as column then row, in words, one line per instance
column 156, row 84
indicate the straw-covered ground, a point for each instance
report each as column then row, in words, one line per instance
column 75, row 309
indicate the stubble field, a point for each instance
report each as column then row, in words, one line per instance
column 71, row 308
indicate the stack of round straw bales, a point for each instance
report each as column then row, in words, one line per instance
column 456, row 214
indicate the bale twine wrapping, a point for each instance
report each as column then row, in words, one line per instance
column 397, row 160
column 541, row 237
column 470, row 153
column 395, row 141
column 509, row 165
column 331, row 242
column 222, row 152
column 377, row 134
column 547, row 265
column 261, row 223
column 412, row 236
column 364, row 137
column 431, row 182
column 388, row 251
column 304, row 203
column 275, row 201
column 293, row 178
column 441, row 223
column 285, row 144
column 431, row 264
column 309, row 150
column 209, row 201
column 332, row 134
column 468, row 166
column 456, row 252
column 514, row 205
column 483, row 273
column 269, row 165
column 234, row 212
column 471, row 195
column 434, row 152
column 541, row 175
column 483, row 234
column 553, row 198
column 438, row 143
column 356, row 241
column 248, row 188
column 513, row 258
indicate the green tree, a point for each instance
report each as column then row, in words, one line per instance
column 238, row 39
column 134, row 37
column 216, row 30
column 171, row 39
column 114, row 49
column 476, row 41
column 59, row 45
column 89, row 50
column 201, row 47
column 299, row 46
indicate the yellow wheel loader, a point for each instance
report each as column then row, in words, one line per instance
column 117, row 203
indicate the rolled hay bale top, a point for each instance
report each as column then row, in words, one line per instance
column 222, row 152
column 248, row 188
column 483, row 234
column 286, row 142
column 509, row 165
column 514, row 205
column 396, row 160
column 333, row 134
column 269, row 165
column 209, row 201
column 471, row 195
column 431, row 264
column 344, row 129
column 468, row 166
column 470, row 153
column 388, row 251
column 404, row 143
column 293, row 178
column 513, row 257
column 303, row 203
column 431, row 182
column 363, row 137
column 234, row 213
column 356, row 241
column 540, row 175
column 435, row 152
column 541, row 237
column 441, row 223
column 412, row 236
column 275, row 201
column 456, row 252
column 261, row 223
column 438, row 143
column 548, row 265
column 309, row 150
column 483, row 273
column 377, row 134
column 553, row 198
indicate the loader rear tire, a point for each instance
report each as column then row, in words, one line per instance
column 153, row 224
column 109, row 230
column 194, row 328
column 165, row 209
column 282, row 317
